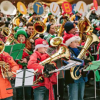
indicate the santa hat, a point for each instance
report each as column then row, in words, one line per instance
column 93, row 8
column 68, row 38
column 40, row 43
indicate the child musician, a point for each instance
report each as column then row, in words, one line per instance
column 75, row 87
column 45, row 89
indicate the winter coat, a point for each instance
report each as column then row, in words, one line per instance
column 68, row 78
column 4, row 83
column 48, row 82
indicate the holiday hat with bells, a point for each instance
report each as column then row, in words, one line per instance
column 70, row 38
column 40, row 43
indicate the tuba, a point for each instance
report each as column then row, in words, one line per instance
column 52, row 20
column 2, row 46
column 7, row 8
column 84, row 27
column 91, row 38
column 6, row 31
column 63, row 52
column 39, row 28
column 56, row 41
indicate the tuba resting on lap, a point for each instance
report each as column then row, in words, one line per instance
column 90, row 38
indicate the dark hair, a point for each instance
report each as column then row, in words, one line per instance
column 34, row 13
column 48, row 27
column 29, row 24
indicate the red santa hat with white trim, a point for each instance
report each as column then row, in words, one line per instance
column 40, row 43
column 68, row 38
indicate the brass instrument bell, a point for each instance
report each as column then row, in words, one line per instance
column 1, row 46
column 39, row 28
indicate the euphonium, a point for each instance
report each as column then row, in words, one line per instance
column 39, row 28
column 56, row 41
column 62, row 52
column 52, row 20
column 91, row 38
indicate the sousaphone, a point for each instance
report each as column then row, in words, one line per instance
column 6, row 7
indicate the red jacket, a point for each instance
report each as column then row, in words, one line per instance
column 4, row 83
column 33, row 63
column 98, row 51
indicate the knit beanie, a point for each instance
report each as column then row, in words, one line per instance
column 15, row 28
column 20, row 31
column 20, row 15
column 68, row 26
column 50, row 14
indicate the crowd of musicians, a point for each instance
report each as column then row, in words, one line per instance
column 37, row 33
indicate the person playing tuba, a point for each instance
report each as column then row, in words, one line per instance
column 8, row 68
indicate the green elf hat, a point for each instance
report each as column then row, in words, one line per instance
column 50, row 14
column 20, row 31
column 15, row 28
column 30, row 14
column 76, row 12
column 20, row 15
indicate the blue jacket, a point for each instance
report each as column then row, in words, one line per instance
column 74, row 53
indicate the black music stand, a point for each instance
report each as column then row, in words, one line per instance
column 23, row 79
column 16, row 52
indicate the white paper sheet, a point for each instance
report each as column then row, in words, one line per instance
column 29, row 76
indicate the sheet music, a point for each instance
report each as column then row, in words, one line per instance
column 29, row 77
column 19, row 77
column 72, row 61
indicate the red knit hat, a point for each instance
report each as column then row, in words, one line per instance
column 40, row 43
column 68, row 38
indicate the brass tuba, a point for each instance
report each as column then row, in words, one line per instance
column 6, row 31
column 91, row 38
column 84, row 27
column 56, row 41
column 2, row 46
column 62, row 52
column 39, row 28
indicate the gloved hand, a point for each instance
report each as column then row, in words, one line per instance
column 47, row 68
